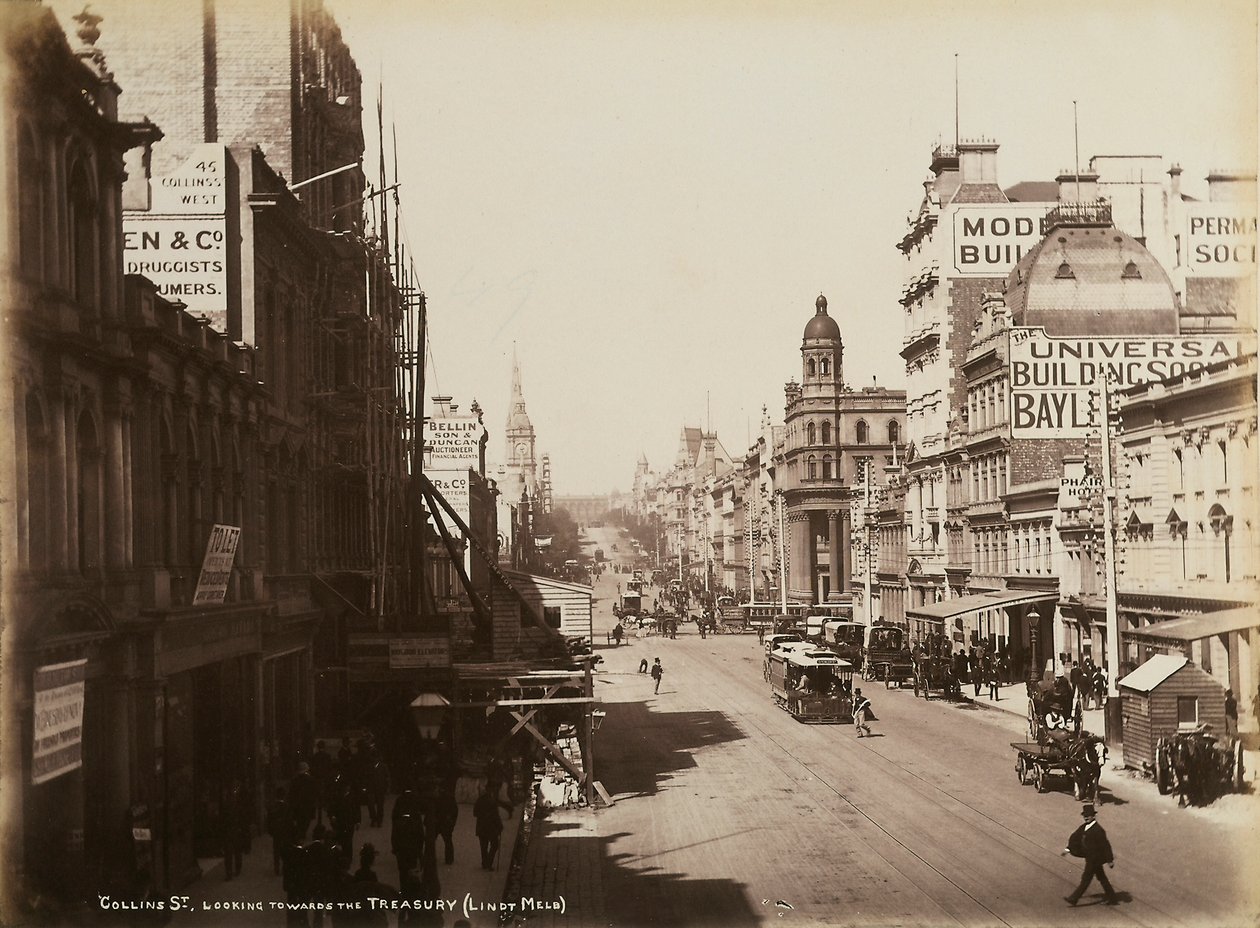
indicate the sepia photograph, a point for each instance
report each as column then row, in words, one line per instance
column 643, row 464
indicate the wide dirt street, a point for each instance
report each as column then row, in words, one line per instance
column 728, row 812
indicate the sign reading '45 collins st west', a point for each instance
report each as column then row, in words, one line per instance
column 1052, row 378
column 180, row 242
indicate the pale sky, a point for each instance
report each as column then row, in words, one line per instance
column 646, row 198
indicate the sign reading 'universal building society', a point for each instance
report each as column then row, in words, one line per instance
column 1052, row 378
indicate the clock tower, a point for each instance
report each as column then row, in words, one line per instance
column 519, row 454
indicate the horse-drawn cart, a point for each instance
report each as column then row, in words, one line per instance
column 885, row 655
column 1080, row 759
column 932, row 672
column 1198, row 766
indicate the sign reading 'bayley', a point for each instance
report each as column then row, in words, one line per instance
column 180, row 242
column 990, row 238
column 1051, row 378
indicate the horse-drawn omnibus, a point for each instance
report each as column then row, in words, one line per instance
column 812, row 684
column 845, row 639
column 764, row 615
column 886, row 655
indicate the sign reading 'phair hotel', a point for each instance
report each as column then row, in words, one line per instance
column 1051, row 378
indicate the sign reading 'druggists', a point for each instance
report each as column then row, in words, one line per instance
column 58, row 720
column 1051, row 378
column 453, row 443
column 180, row 242
column 1221, row 239
column 990, row 238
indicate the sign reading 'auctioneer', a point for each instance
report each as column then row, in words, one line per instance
column 1051, row 378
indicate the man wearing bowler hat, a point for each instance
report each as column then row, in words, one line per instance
column 1090, row 841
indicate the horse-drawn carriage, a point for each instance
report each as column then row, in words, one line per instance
column 1073, row 753
column 1198, row 766
column 886, row 656
column 935, row 672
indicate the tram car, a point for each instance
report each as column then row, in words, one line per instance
column 813, row 685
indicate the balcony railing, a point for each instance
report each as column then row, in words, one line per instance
column 1097, row 213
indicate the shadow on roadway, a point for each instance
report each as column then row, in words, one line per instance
column 653, row 744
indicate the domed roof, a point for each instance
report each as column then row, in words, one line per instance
column 1091, row 280
column 822, row 326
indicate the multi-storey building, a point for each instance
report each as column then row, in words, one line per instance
column 832, row 433
column 1187, row 537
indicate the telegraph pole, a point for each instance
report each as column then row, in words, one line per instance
column 782, row 558
column 870, row 560
column 1109, row 543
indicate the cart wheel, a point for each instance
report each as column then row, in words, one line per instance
column 1039, row 778
column 1021, row 770
column 1032, row 721
column 1239, row 771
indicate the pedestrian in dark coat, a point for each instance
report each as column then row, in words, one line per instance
column 489, row 825
column 234, row 825
column 657, row 672
column 1090, row 842
column 321, row 770
column 975, row 668
column 280, row 827
column 407, row 835
column 992, row 674
column 377, row 787
column 446, row 814
column 303, row 800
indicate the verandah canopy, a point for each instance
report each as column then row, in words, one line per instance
column 949, row 608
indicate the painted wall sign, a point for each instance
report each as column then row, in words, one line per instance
column 990, row 238
column 427, row 651
column 1051, row 378
column 1221, row 239
column 58, row 720
column 454, row 443
column 180, row 242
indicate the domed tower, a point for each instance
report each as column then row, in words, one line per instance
column 822, row 352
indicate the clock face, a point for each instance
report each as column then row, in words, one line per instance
column 522, row 452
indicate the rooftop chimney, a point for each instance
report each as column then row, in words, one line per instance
column 977, row 161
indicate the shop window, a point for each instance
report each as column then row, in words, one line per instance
column 551, row 615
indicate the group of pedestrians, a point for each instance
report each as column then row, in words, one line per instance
column 312, row 825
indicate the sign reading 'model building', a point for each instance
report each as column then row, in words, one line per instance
column 1051, row 378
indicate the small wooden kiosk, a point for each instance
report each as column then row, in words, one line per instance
column 1163, row 696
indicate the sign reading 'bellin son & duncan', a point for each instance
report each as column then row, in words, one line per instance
column 1051, row 378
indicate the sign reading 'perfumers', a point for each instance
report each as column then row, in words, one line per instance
column 1051, row 378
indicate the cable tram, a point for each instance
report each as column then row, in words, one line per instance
column 812, row 684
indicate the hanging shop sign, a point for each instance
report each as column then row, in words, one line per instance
column 216, row 566
column 425, row 651
column 1052, row 378
column 990, row 238
column 58, row 720
column 1221, row 239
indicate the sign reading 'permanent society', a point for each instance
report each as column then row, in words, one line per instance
column 1051, row 378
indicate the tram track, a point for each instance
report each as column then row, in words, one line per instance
column 1034, row 854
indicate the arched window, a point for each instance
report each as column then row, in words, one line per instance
column 811, row 468
column 810, row 434
column 894, row 432
column 168, row 532
column 30, row 207
column 195, row 536
column 1222, row 527
column 826, row 433
column 82, row 238
column 862, row 435
column 810, row 367
column 824, row 367
column 88, row 458
column 826, row 467
column 37, row 467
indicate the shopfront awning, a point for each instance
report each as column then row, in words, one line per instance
column 948, row 608
column 1194, row 627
